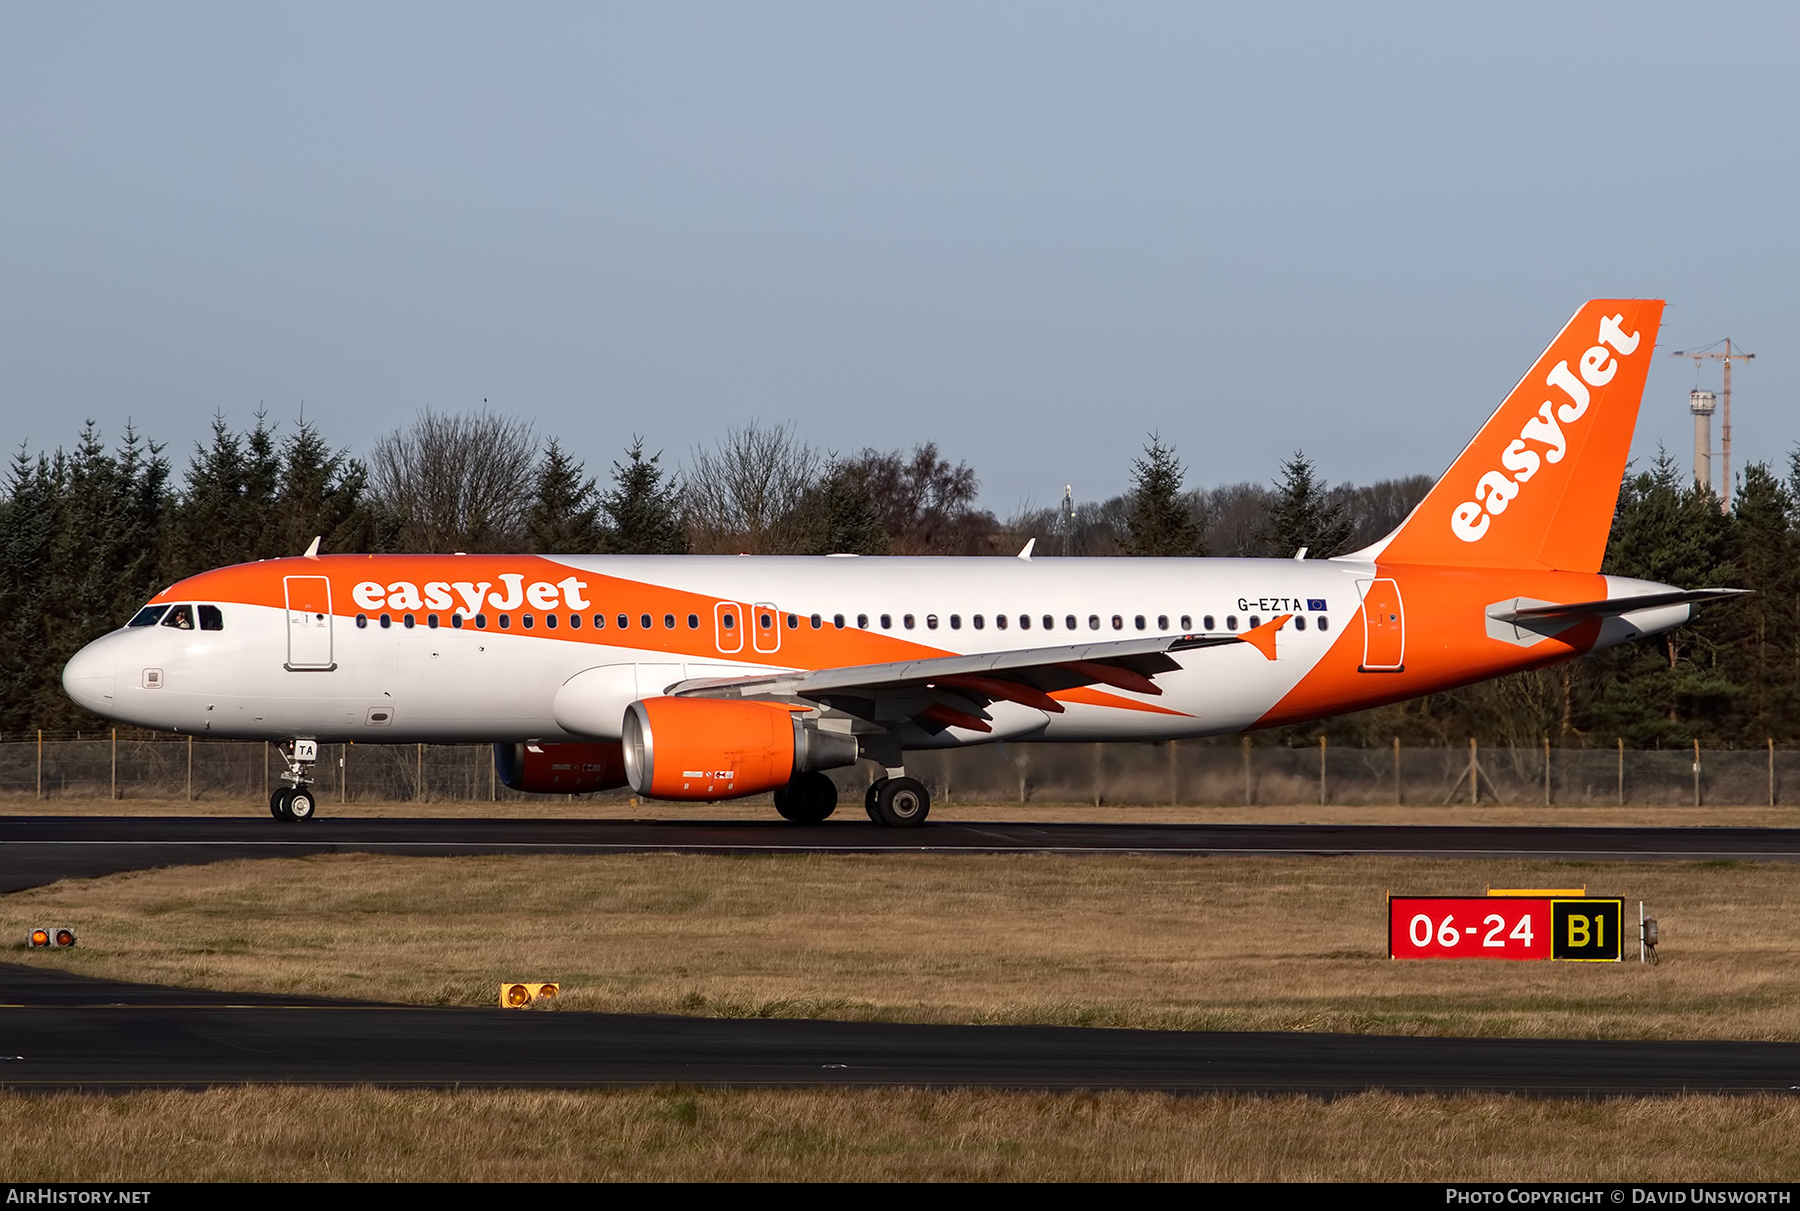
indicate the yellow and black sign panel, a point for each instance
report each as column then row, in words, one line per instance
column 1587, row 929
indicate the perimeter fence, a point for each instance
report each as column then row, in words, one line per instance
column 1197, row 773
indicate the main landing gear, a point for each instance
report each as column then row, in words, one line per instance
column 296, row 801
column 897, row 802
column 808, row 799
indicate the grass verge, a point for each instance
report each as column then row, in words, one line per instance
column 1183, row 943
column 298, row 1134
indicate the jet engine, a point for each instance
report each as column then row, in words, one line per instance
column 721, row 748
column 560, row 769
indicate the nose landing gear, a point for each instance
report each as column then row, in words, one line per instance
column 296, row 801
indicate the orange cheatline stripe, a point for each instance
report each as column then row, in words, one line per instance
column 1086, row 696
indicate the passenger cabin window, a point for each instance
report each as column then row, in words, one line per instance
column 1049, row 623
column 456, row 620
column 956, row 622
column 1255, row 621
column 668, row 622
column 1000, row 621
column 574, row 622
column 906, row 620
column 481, row 621
column 1162, row 622
column 1231, row 622
column 887, row 622
column 1206, row 624
column 1118, row 622
column 1024, row 622
column 1324, row 623
column 931, row 622
column 793, row 622
column 1138, row 622
column 506, row 622
column 180, row 617
column 645, row 621
column 624, row 621
column 1093, row 622
column 549, row 621
column 837, row 620
column 862, row 621
column 387, row 620
column 362, row 621
column 979, row 622
column 1069, row 622
column 431, row 620
column 407, row 622
column 817, row 621
column 1299, row 622
column 147, row 616
column 1187, row 622
column 211, row 619
column 693, row 622
column 526, row 619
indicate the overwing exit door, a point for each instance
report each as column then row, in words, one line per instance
column 1384, row 627
column 308, row 622
column 768, row 627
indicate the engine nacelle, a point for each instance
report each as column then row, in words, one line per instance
column 721, row 748
column 560, row 769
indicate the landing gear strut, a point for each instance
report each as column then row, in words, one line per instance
column 808, row 799
column 900, row 802
column 296, row 801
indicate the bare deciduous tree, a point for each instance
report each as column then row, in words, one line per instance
column 456, row 482
column 747, row 494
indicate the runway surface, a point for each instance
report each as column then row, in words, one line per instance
column 35, row 850
column 59, row 1032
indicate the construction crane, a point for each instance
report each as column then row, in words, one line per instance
column 1726, row 355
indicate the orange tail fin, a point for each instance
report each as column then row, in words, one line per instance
column 1537, row 486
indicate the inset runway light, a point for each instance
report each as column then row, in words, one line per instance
column 524, row 996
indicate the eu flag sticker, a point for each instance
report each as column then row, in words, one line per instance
column 1315, row 603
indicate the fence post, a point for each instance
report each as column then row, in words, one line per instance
column 1097, row 751
column 1621, row 771
column 493, row 779
column 40, row 763
column 1175, row 785
column 419, row 777
column 1474, row 775
column 1546, row 771
column 1021, row 768
column 1398, row 797
column 1696, row 771
column 1771, row 771
column 1321, row 769
column 265, row 769
column 115, row 763
column 1249, row 777
column 190, row 787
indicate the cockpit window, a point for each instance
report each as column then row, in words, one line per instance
column 147, row 616
column 181, row 618
column 211, row 619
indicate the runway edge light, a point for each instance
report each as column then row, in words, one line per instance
column 61, row 936
column 520, row 995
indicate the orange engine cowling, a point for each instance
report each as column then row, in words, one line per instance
column 720, row 748
column 560, row 769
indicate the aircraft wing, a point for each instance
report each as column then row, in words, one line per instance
column 953, row 691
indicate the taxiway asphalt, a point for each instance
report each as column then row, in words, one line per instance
column 35, row 850
column 65, row 1032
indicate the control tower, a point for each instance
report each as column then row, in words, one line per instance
column 1701, row 404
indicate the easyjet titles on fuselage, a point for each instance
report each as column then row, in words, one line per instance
column 474, row 595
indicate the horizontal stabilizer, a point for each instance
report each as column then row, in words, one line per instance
column 1612, row 607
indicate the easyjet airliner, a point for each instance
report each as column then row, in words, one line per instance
column 701, row 678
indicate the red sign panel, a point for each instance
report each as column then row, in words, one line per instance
column 1468, row 927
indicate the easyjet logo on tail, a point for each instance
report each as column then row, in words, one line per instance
column 1494, row 490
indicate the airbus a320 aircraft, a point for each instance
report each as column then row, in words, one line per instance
column 702, row 678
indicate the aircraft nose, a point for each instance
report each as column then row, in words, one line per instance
column 91, row 677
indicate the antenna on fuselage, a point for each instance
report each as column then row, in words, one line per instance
column 312, row 552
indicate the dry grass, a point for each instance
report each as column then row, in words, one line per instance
column 1240, row 943
column 291, row 1134
column 759, row 808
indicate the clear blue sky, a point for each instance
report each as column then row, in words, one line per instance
column 1031, row 232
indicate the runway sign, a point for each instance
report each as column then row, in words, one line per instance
column 1509, row 927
